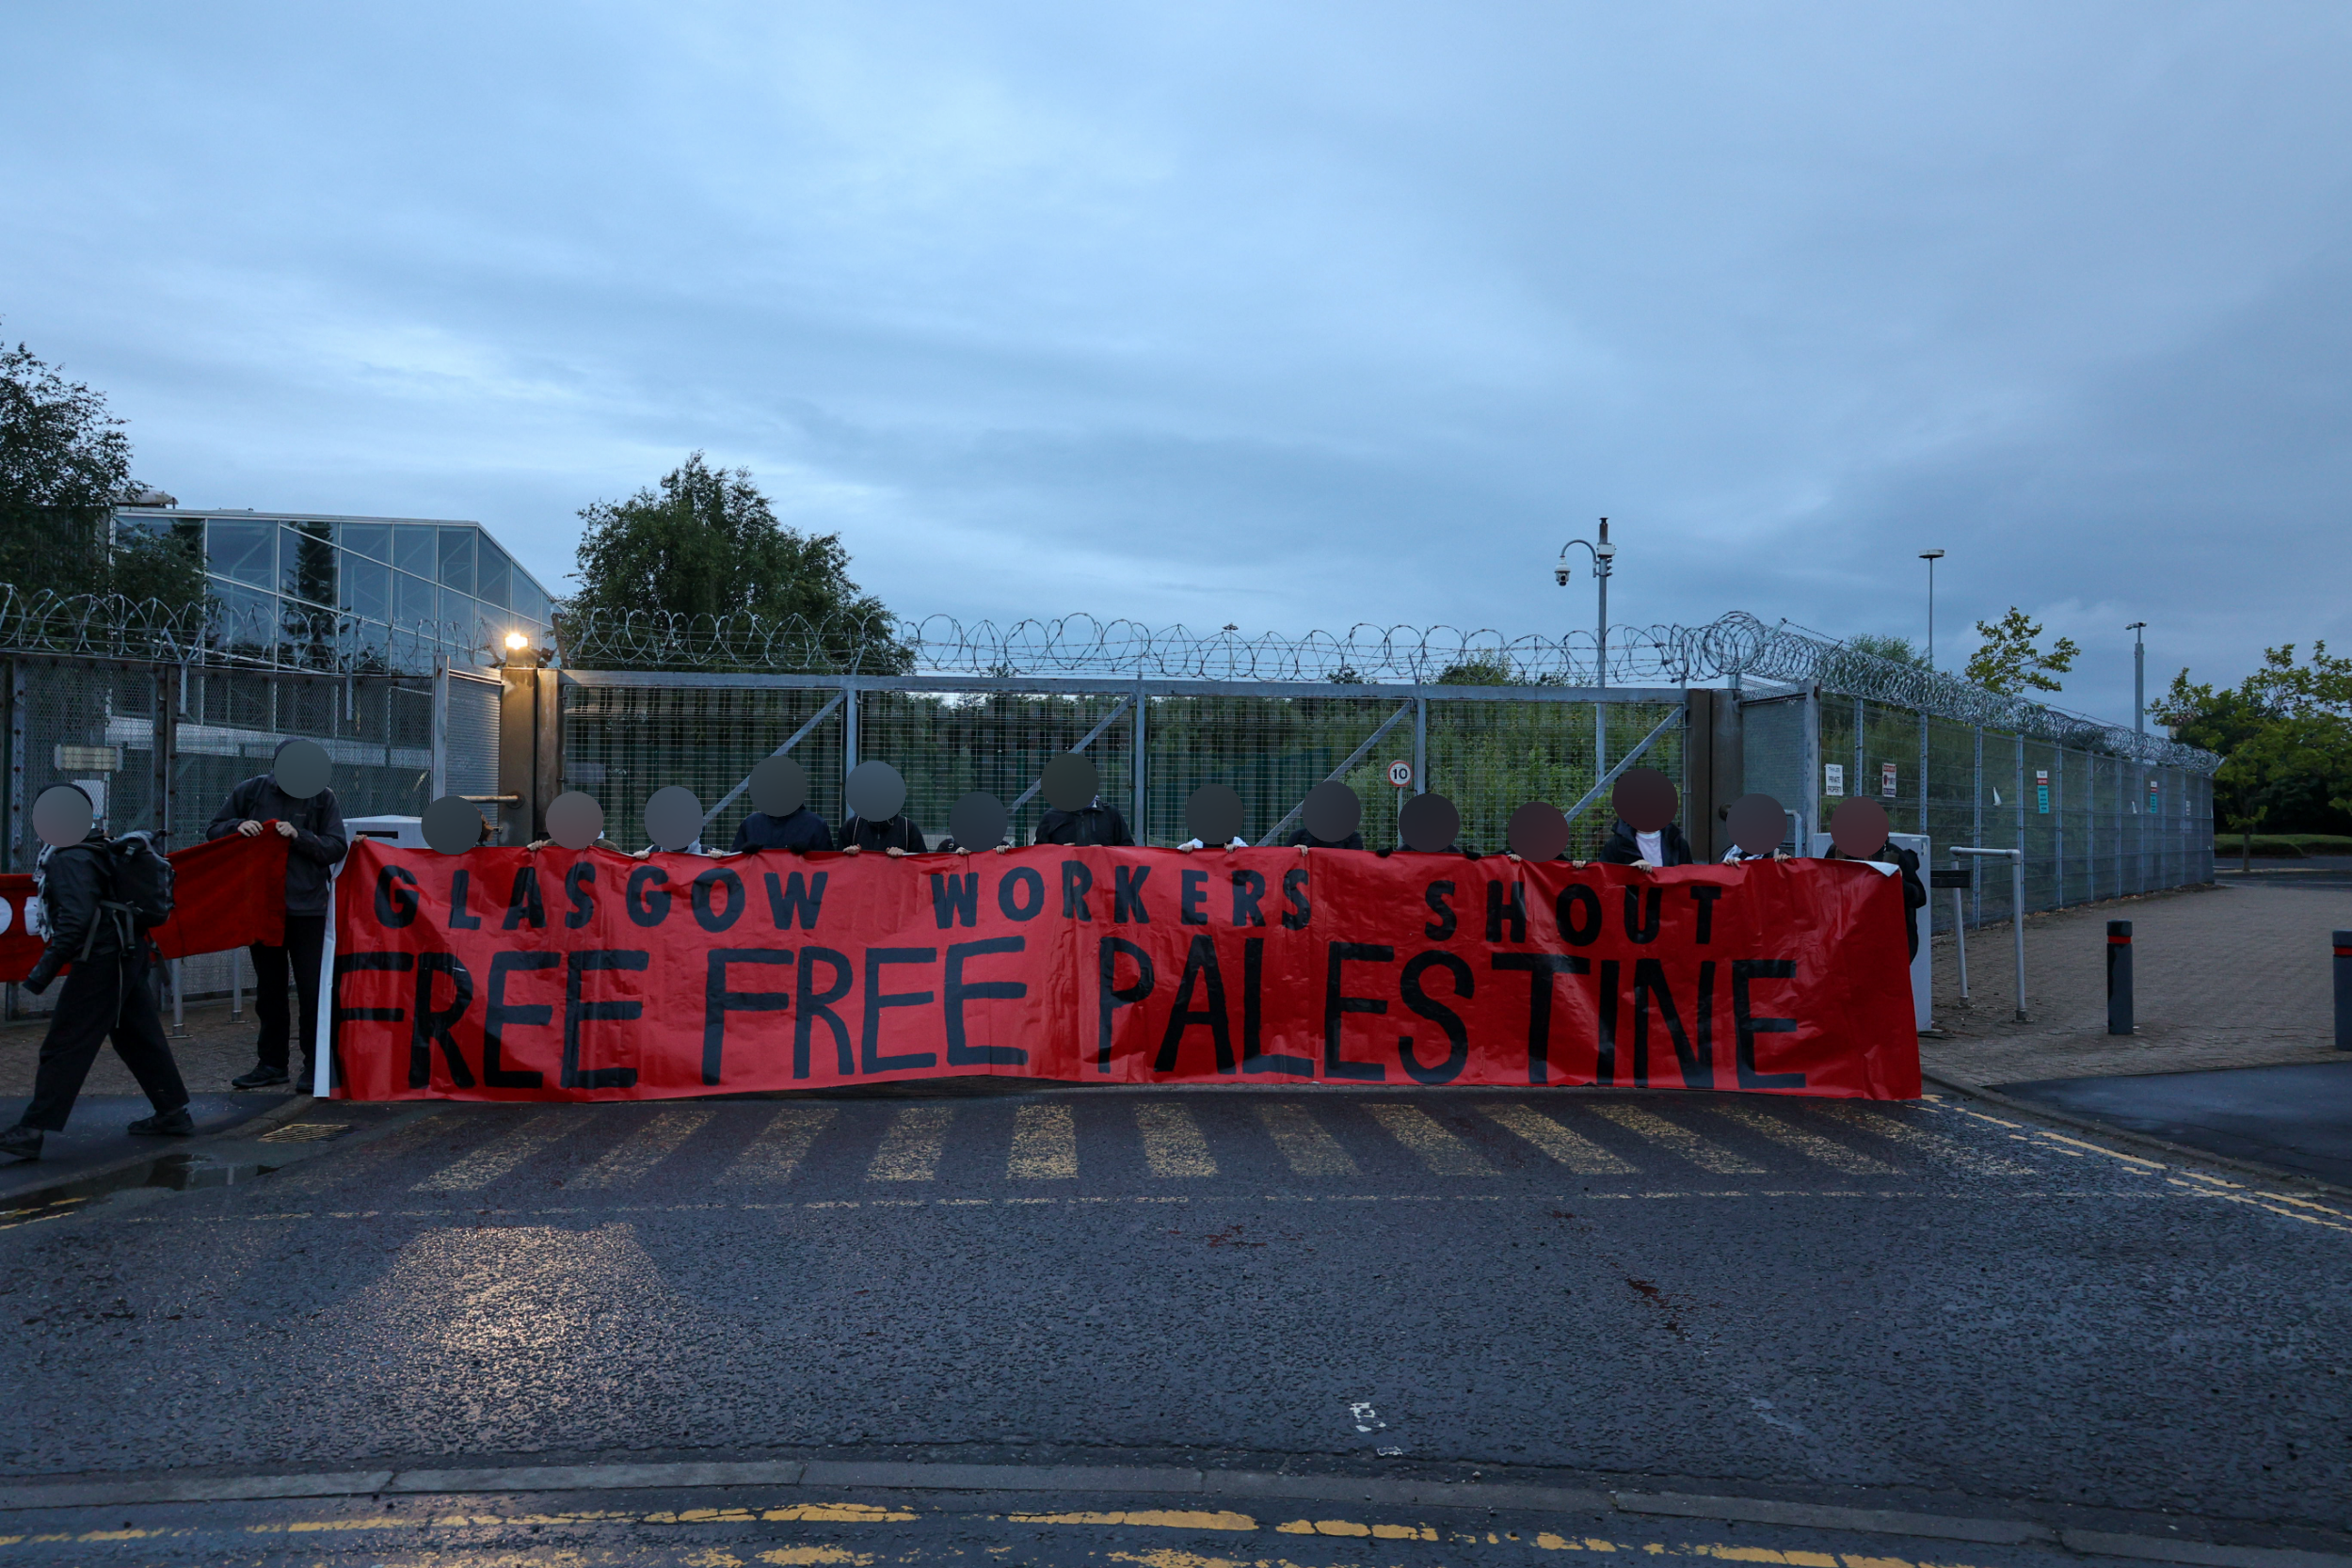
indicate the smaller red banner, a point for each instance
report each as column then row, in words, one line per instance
column 226, row 893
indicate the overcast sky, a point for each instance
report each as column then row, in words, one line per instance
column 1285, row 315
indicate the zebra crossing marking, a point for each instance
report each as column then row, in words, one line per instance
column 779, row 1148
column 1173, row 1144
column 910, row 1148
column 1887, row 1123
column 1572, row 1149
column 1680, row 1139
column 497, row 1157
column 1837, row 1156
column 1302, row 1141
column 628, row 1161
column 1045, row 1144
column 1444, row 1151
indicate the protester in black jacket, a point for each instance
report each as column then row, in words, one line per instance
column 105, row 995
column 316, row 841
column 1666, row 847
column 1914, row 890
column 800, row 831
column 1095, row 822
column 896, row 837
column 1304, row 840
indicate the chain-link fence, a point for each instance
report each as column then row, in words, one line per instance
column 626, row 734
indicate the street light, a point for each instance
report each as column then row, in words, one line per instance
column 1931, row 557
column 1604, row 557
column 2140, row 678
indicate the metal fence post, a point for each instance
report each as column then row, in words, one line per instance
column 1143, row 823
column 2017, row 923
column 2119, row 977
column 1977, row 818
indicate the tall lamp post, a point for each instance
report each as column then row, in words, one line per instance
column 1604, row 554
column 2140, row 678
column 1931, row 557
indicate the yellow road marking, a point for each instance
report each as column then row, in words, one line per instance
column 627, row 1161
column 910, row 1149
column 497, row 1157
column 1811, row 1145
column 2093, row 1148
column 1310, row 1150
column 1045, row 1144
column 1572, row 1149
column 1167, row 1518
column 2254, row 1201
column 1889, row 1123
column 784, row 1556
column 1443, row 1151
column 1173, row 1144
column 1706, row 1155
column 781, row 1146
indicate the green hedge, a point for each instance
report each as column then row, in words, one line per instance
column 2288, row 845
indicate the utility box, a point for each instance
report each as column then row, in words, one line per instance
column 400, row 832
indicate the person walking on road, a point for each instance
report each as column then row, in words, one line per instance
column 91, row 928
column 316, row 841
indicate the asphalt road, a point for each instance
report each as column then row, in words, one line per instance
column 1925, row 1307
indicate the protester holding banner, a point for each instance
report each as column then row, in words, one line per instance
column 1914, row 890
column 1664, row 847
column 800, row 830
column 1304, row 840
column 311, row 824
column 897, row 835
column 91, row 927
column 1095, row 822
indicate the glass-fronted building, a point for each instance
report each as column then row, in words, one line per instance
column 357, row 594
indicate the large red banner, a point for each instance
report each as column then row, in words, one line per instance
column 225, row 893
column 558, row 974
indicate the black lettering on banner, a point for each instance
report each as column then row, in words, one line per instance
column 1111, row 995
column 956, row 899
column 577, row 883
column 1127, row 893
column 1697, row 1067
column 718, row 1001
column 1604, row 1058
column 811, row 1006
column 1078, row 880
column 1706, row 895
column 1541, row 968
column 870, row 1038
column 1253, row 1059
column 958, row 991
column 1294, row 890
column 647, row 898
column 703, row 898
column 461, row 889
column 522, row 902
column 1746, row 1025
column 497, row 1013
column 576, row 1012
column 362, row 963
column 1578, row 912
column 1189, row 901
column 396, row 897
column 1200, row 969
column 1436, row 895
column 1639, row 930
column 1248, row 888
column 794, row 898
column 1445, row 1017
column 429, row 1026
column 1498, row 910
column 1026, row 879
column 1338, row 1004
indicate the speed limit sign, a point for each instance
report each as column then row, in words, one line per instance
column 1400, row 775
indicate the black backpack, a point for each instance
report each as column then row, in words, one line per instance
column 139, row 879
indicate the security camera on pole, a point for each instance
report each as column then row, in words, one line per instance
column 1604, row 554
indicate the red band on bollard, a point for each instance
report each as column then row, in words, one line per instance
column 2343, row 953
column 2126, row 941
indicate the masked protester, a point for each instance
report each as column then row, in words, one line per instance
column 1648, row 850
column 1914, row 890
column 800, row 830
column 316, row 841
column 1093, row 822
column 897, row 837
column 106, row 993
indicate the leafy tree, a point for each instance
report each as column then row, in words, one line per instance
column 708, row 543
column 2286, row 734
column 64, row 465
column 1898, row 651
column 2010, row 660
column 1479, row 669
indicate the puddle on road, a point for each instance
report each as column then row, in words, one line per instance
column 178, row 1172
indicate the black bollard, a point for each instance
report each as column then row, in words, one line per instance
column 2119, row 978
column 2344, row 990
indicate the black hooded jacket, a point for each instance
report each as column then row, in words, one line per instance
column 320, row 839
column 73, row 884
column 1096, row 824
column 1353, row 840
column 1623, row 849
column 898, row 833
